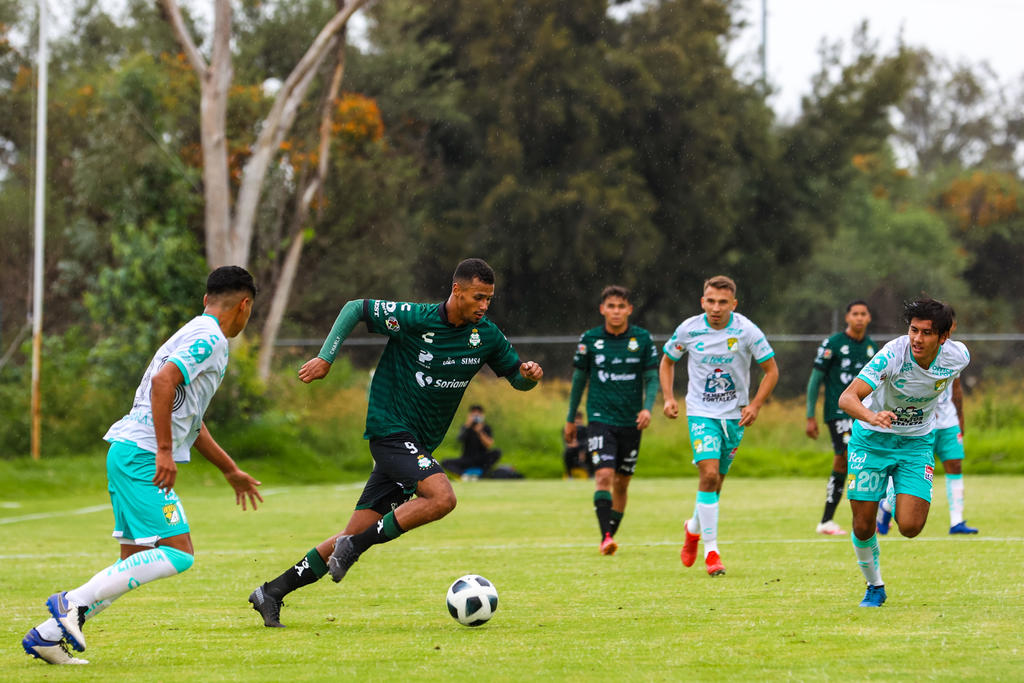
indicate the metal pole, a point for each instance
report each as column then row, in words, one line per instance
column 764, row 45
column 37, row 279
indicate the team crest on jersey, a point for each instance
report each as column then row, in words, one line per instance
column 827, row 354
column 633, row 344
column 581, row 349
column 732, row 341
column 424, row 461
column 392, row 323
column 870, row 351
column 171, row 514
column 474, row 338
column 941, row 384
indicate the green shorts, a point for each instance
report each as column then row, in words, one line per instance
column 715, row 438
column 873, row 457
column 143, row 514
column 949, row 444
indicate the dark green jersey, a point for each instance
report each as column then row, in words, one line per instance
column 426, row 367
column 615, row 365
column 841, row 358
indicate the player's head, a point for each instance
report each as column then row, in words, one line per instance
column 929, row 323
column 718, row 300
column 230, row 291
column 858, row 315
column 615, row 307
column 472, row 291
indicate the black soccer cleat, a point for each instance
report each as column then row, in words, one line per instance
column 268, row 606
column 342, row 558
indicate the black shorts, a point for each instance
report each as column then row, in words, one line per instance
column 400, row 463
column 610, row 446
column 840, row 431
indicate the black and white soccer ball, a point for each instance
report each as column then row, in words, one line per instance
column 472, row 600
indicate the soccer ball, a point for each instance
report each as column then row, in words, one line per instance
column 472, row 600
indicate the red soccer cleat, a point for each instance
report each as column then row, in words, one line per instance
column 689, row 552
column 714, row 564
column 608, row 545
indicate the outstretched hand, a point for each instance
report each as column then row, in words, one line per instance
column 314, row 368
column 245, row 487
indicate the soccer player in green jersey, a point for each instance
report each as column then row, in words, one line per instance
column 621, row 363
column 839, row 359
column 433, row 352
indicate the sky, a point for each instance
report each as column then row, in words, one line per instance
column 958, row 30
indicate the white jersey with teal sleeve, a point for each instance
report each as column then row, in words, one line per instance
column 200, row 350
column 945, row 412
column 904, row 388
column 719, row 363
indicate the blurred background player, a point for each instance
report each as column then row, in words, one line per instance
column 478, row 455
column 839, row 359
column 574, row 455
column 893, row 400
column 720, row 344
column 620, row 363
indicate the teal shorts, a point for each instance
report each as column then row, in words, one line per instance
column 143, row 514
column 949, row 444
column 715, row 438
column 873, row 457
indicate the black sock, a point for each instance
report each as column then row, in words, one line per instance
column 308, row 570
column 385, row 530
column 614, row 519
column 834, row 494
column 603, row 509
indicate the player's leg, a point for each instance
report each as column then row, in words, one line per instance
column 868, row 474
column 602, row 444
column 949, row 448
column 626, row 456
column 912, row 481
column 839, row 430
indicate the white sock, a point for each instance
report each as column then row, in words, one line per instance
column 708, row 514
column 124, row 575
column 868, row 558
column 50, row 629
column 692, row 524
column 955, row 498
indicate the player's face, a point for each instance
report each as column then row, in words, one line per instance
column 471, row 300
column 924, row 341
column 718, row 305
column 616, row 312
column 857, row 318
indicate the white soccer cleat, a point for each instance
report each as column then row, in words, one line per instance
column 50, row 651
column 829, row 528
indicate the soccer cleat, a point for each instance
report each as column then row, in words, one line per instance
column 608, row 545
column 883, row 520
column 70, row 616
column 689, row 552
column 714, row 564
column 342, row 558
column 268, row 606
column 874, row 597
column 962, row 528
column 50, row 651
column 829, row 528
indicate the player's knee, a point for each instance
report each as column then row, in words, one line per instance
column 444, row 503
column 181, row 560
column 911, row 529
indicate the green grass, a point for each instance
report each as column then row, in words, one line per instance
column 786, row 610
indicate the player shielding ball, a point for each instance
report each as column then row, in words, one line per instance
column 893, row 400
column 433, row 352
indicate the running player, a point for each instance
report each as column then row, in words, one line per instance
column 165, row 421
column 721, row 344
column 621, row 363
column 433, row 352
column 839, row 359
column 893, row 433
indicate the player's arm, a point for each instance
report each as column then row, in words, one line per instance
column 771, row 377
column 958, row 402
column 813, row 388
column 851, row 402
column 643, row 418
column 243, row 484
column 317, row 368
column 579, row 383
column 161, row 398
column 667, row 378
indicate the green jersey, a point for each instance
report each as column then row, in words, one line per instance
column 426, row 367
column 615, row 366
column 841, row 358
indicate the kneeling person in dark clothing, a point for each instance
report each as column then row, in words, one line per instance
column 478, row 456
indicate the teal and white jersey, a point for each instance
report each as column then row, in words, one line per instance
column 945, row 411
column 903, row 387
column 200, row 350
column 719, row 363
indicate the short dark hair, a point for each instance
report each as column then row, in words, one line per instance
column 474, row 268
column 615, row 290
column 476, row 407
column 720, row 282
column 857, row 302
column 940, row 314
column 230, row 280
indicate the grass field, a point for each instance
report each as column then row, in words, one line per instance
column 787, row 609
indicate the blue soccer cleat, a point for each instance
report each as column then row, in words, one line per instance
column 962, row 528
column 883, row 520
column 50, row 651
column 70, row 616
column 874, row 597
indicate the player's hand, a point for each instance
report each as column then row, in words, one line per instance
column 671, row 408
column 812, row 428
column 643, row 419
column 531, row 370
column 569, row 433
column 244, row 486
column 166, row 470
column 883, row 419
column 314, row 368
column 748, row 414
